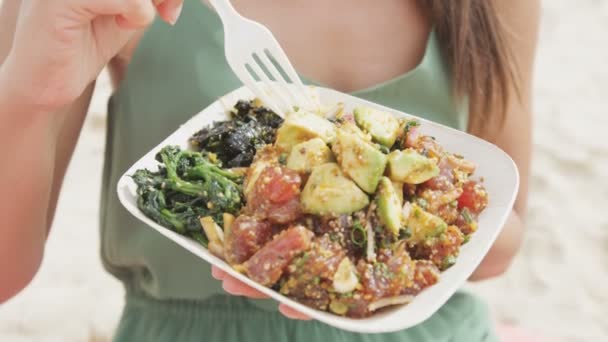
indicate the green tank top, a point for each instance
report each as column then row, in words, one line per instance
column 175, row 73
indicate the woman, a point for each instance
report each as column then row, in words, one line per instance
column 464, row 63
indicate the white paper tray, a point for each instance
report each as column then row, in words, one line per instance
column 501, row 181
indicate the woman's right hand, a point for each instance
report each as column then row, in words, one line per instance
column 60, row 46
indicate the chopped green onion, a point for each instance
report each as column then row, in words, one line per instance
column 358, row 235
column 383, row 149
column 410, row 124
column 333, row 236
column 467, row 216
column 405, row 233
column 447, row 262
column 301, row 260
column 422, row 203
column 283, row 159
column 198, row 236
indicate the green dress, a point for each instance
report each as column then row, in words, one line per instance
column 170, row 294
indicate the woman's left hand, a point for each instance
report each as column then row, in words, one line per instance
column 238, row 288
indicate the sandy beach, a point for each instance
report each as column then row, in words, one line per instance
column 557, row 285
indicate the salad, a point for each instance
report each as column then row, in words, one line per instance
column 343, row 212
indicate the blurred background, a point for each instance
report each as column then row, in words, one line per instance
column 557, row 286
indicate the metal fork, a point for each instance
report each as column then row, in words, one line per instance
column 250, row 50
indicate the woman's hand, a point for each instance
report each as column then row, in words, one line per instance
column 237, row 288
column 50, row 53
column 60, row 46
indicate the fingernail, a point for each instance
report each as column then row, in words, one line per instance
column 176, row 13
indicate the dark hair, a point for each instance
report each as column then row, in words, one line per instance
column 482, row 65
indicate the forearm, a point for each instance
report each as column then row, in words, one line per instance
column 26, row 177
column 499, row 258
column 31, row 174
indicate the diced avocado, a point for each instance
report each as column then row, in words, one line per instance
column 329, row 191
column 304, row 156
column 351, row 127
column 338, row 307
column 302, row 126
column 399, row 190
column 423, row 225
column 361, row 161
column 410, row 167
column 389, row 206
column 345, row 279
column 382, row 126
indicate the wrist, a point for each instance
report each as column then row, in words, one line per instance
column 17, row 94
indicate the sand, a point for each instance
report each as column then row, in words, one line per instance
column 556, row 286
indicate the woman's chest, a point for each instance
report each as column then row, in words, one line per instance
column 344, row 44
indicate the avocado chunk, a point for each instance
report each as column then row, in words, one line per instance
column 329, row 191
column 410, row 167
column 399, row 190
column 360, row 160
column 351, row 127
column 422, row 224
column 302, row 126
column 304, row 156
column 389, row 206
column 382, row 126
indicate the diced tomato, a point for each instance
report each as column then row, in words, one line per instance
column 474, row 197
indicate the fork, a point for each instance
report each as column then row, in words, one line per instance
column 250, row 50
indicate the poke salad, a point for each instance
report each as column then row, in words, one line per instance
column 345, row 212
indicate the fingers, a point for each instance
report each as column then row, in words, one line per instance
column 130, row 14
column 238, row 288
column 134, row 14
column 139, row 14
column 169, row 10
column 235, row 286
column 217, row 273
column 291, row 313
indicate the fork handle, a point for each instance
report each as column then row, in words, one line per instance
column 224, row 9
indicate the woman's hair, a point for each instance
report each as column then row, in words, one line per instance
column 483, row 68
